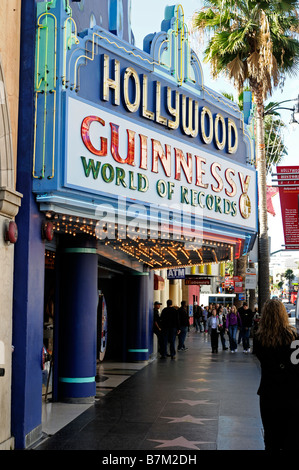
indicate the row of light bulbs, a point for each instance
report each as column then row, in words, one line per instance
column 72, row 225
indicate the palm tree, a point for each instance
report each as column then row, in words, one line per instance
column 274, row 145
column 290, row 276
column 254, row 44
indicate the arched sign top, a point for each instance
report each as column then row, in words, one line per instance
column 170, row 48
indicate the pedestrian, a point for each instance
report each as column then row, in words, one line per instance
column 157, row 325
column 213, row 329
column 201, row 326
column 184, row 324
column 277, row 349
column 246, row 316
column 205, row 318
column 233, row 323
column 256, row 319
column 170, row 328
column 222, row 320
column 196, row 317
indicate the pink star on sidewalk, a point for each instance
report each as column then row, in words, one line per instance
column 179, row 442
column 194, row 402
column 188, row 419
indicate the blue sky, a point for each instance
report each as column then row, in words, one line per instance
column 147, row 17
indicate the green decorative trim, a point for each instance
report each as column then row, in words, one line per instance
column 80, row 250
column 140, row 274
column 76, row 380
column 138, row 350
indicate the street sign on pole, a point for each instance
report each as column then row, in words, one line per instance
column 250, row 278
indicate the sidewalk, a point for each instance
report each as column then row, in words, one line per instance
column 198, row 401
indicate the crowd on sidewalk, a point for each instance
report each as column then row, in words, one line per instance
column 231, row 325
column 275, row 344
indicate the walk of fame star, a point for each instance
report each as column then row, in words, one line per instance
column 179, row 442
column 188, row 419
column 198, row 380
column 194, row 402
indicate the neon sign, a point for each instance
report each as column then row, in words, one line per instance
column 112, row 152
column 184, row 112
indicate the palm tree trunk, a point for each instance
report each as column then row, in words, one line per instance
column 263, row 240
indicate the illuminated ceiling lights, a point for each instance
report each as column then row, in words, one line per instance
column 157, row 249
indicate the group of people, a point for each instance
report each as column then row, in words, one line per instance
column 276, row 346
column 173, row 322
column 231, row 320
column 216, row 320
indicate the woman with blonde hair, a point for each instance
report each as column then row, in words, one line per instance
column 277, row 349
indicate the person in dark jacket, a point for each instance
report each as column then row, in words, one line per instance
column 246, row 316
column 184, row 325
column 157, row 324
column 170, row 328
column 277, row 349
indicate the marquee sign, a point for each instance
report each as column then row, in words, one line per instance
column 107, row 154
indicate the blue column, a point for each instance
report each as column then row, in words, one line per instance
column 139, row 311
column 78, row 325
column 28, row 297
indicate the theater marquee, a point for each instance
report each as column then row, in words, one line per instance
column 106, row 153
column 113, row 121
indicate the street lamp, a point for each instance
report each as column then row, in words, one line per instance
column 295, row 111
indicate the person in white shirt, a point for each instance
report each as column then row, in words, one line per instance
column 213, row 330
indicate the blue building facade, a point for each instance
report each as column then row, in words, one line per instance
column 127, row 164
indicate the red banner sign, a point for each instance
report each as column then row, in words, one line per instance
column 238, row 281
column 288, row 183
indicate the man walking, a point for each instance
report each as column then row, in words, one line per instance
column 170, row 327
column 184, row 324
column 246, row 316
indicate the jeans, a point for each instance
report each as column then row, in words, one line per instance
column 232, row 331
column 214, row 339
column 182, row 337
column 169, row 335
column 245, row 338
column 222, row 338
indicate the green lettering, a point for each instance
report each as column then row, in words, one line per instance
column 193, row 197
column 161, row 188
column 90, row 166
column 142, row 183
column 234, row 209
column 131, row 180
column 226, row 206
column 119, row 177
column 200, row 195
column 170, row 189
column 107, row 178
column 217, row 204
column 184, row 198
column 210, row 201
